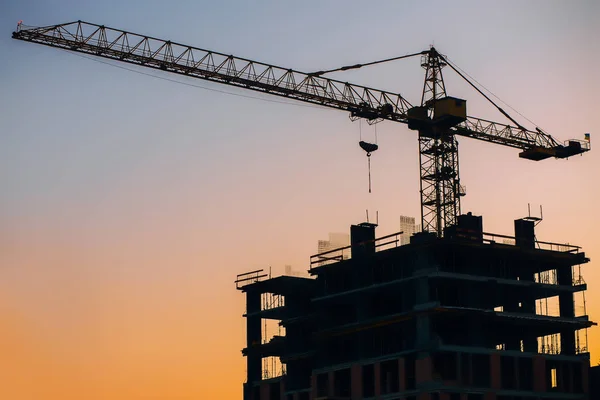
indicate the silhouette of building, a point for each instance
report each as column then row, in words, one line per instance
column 289, row 271
column 409, row 227
column 455, row 318
column 336, row 240
column 595, row 382
column 334, row 247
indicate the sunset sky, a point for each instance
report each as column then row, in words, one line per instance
column 130, row 203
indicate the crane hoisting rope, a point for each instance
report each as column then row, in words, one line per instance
column 368, row 148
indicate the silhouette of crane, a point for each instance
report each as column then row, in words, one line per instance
column 438, row 119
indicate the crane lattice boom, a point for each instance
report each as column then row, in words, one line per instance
column 369, row 103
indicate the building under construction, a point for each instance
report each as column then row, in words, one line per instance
column 468, row 316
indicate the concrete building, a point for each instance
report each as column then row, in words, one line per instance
column 336, row 247
column 450, row 318
column 409, row 227
column 289, row 271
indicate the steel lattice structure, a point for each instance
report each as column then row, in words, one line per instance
column 440, row 183
column 438, row 155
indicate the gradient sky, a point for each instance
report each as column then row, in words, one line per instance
column 129, row 203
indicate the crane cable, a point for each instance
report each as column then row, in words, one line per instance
column 356, row 66
column 368, row 148
column 369, row 161
column 368, row 153
column 369, row 158
column 187, row 83
column 458, row 70
column 484, row 95
column 488, row 90
column 455, row 67
column 360, row 129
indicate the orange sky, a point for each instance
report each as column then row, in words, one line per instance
column 130, row 203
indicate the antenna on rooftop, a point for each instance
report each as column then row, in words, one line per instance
column 367, row 215
column 536, row 220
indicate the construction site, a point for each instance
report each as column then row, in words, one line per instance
column 465, row 316
column 453, row 313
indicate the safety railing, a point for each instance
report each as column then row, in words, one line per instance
column 250, row 277
column 345, row 253
column 511, row 241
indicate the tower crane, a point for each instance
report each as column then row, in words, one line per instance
column 438, row 119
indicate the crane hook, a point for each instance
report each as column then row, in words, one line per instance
column 368, row 148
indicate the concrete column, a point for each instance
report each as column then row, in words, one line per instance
column 539, row 374
column 356, row 386
column 423, row 329
column 517, row 373
column 567, row 342
column 525, row 233
column 585, row 377
column 264, row 391
column 402, row 374
column 313, row 386
column 253, row 337
column 530, row 344
column 330, row 384
column 377, row 371
column 458, row 368
column 512, row 305
column 569, row 372
column 470, row 371
column 524, row 238
column 567, row 309
column 423, row 369
column 247, row 392
column 495, row 371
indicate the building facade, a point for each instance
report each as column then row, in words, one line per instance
column 409, row 227
column 335, row 247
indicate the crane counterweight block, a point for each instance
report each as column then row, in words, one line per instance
column 570, row 148
column 418, row 118
column 366, row 111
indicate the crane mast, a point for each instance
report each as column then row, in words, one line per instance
column 438, row 155
column 438, row 120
